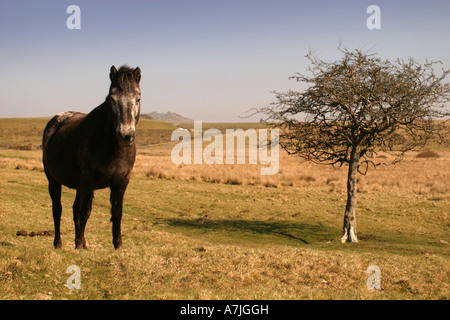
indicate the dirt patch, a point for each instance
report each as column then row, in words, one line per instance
column 6, row 244
column 366, row 237
column 46, row 233
column 427, row 154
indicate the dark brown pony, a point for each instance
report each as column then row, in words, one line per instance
column 94, row 151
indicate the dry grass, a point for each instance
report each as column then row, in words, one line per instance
column 226, row 232
column 414, row 174
column 21, row 159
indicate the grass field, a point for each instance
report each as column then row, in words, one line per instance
column 224, row 231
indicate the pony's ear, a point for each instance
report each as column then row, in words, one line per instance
column 112, row 73
column 137, row 74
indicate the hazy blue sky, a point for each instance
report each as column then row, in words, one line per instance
column 207, row 60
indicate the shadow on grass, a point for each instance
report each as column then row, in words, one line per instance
column 300, row 232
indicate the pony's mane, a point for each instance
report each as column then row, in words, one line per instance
column 125, row 79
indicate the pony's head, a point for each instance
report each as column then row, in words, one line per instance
column 124, row 99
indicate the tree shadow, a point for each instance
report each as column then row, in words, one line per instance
column 302, row 232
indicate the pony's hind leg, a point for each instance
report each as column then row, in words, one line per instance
column 86, row 193
column 54, row 189
column 76, row 211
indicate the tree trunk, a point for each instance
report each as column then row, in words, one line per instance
column 350, row 209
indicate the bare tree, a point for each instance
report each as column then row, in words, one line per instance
column 359, row 106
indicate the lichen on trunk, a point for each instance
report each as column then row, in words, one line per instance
column 350, row 208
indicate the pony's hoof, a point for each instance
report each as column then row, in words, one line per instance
column 80, row 245
column 57, row 244
column 117, row 245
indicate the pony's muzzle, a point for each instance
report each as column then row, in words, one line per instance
column 126, row 138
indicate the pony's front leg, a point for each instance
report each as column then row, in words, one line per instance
column 116, row 214
column 86, row 194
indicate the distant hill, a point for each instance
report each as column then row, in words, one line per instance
column 168, row 116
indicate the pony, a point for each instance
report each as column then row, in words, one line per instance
column 94, row 151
